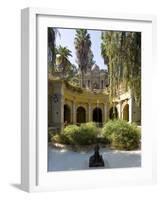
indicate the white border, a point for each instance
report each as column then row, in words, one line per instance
column 34, row 174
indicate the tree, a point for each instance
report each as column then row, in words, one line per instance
column 72, row 76
column 72, row 72
column 122, row 53
column 82, row 44
column 52, row 32
column 62, row 59
column 104, row 49
column 91, row 61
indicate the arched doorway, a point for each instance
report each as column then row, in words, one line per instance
column 67, row 114
column 113, row 113
column 126, row 112
column 97, row 115
column 81, row 115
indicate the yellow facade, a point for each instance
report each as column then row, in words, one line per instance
column 70, row 105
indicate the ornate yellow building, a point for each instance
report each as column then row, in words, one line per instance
column 71, row 105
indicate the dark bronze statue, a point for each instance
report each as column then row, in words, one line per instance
column 96, row 159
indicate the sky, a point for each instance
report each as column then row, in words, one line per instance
column 66, row 39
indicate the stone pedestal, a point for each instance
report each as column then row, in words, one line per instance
column 96, row 160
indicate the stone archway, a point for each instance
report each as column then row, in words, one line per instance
column 81, row 115
column 113, row 114
column 126, row 112
column 97, row 115
column 67, row 114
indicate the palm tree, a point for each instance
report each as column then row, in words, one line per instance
column 52, row 33
column 62, row 58
column 82, row 44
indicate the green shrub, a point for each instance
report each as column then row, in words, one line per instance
column 51, row 133
column 60, row 138
column 70, row 131
column 108, row 129
column 84, row 134
column 122, row 135
column 102, row 140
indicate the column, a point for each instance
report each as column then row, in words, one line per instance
column 105, row 112
column 62, row 111
column 130, row 109
column 120, row 110
column 89, row 112
column 58, row 106
column 74, row 112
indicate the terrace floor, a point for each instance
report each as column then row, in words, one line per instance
column 64, row 159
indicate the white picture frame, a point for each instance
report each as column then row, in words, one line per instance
column 34, row 176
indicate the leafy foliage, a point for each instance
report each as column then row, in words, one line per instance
column 51, row 133
column 87, row 135
column 118, row 133
column 73, row 87
column 78, row 135
column 122, row 135
column 72, row 76
column 91, row 61
column 122, row 54
column 62, row 59
column 82, row 45
column 84, row 53
column 52, row 33
column 60, row 138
